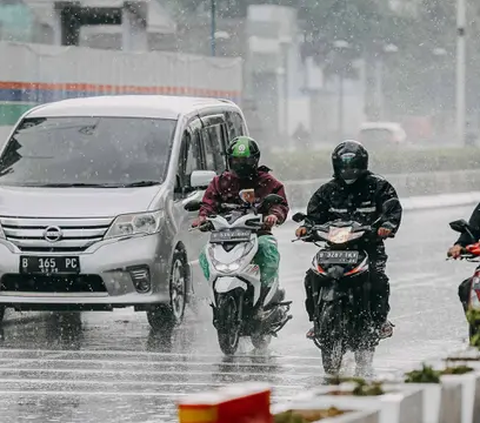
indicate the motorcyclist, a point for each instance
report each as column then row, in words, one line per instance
column 458, row 248
column 357, row 194
column 243, row 158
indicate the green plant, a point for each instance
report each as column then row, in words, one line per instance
column 361, row 388
column 306, row 416
column 426, row 375
column 459, row 370
column 473, row 318
column 364, row 389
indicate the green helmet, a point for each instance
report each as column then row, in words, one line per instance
column 243, row 157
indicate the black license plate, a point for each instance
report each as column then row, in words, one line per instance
column 233, row 235
column 49, row 265
column 338, row 257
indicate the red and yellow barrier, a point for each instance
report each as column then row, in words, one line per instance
column 241, row 403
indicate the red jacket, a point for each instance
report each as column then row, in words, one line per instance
column 226, row 188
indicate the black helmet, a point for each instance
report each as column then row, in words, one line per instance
column 349, row 160
column 243, row 157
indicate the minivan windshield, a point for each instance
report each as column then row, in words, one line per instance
column 88, row 152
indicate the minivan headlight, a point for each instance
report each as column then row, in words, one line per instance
column 135, row 224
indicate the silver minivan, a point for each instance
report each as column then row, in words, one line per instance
column 91, row 202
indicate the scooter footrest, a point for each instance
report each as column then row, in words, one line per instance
column 272, row 305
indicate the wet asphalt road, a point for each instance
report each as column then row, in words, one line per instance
column 109, row 367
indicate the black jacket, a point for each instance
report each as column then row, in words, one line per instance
column 362, row 201
column 474, row 223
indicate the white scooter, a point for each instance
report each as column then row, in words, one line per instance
column 240, row 306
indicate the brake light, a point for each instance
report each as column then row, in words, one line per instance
column 320, row 269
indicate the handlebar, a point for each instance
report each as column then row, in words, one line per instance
column 324, row 228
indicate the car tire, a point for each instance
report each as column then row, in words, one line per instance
column 167, row 316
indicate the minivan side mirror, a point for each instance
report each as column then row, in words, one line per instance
column 200, row 179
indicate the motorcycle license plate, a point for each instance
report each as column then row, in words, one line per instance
column 338, row 257
column 230, row 235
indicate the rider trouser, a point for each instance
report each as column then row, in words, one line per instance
column 463, row 293
column 267, row 259
column 380, row 289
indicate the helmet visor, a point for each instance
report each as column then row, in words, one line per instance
column 350, row 173
column 243, row 167
column 349, row 168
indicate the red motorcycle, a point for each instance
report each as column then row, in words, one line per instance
column 470, row 253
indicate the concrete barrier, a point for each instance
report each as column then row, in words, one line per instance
column 407, row 185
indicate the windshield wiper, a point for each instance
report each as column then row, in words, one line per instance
column 93, row 185
column 141, row 184
column 74, row 185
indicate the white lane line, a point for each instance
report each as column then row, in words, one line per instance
column 121, row 372
column 37, row 382
column 14, row 392
column 150, row 355
column 180, row 364
column 270, row 360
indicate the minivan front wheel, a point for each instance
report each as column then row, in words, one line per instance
column 166, row 316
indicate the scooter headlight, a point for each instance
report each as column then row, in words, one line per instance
column 229, row 267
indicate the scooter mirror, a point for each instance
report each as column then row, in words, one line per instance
column 459, row 225
column 193, row 205
column 299, row 217
column 272, row 199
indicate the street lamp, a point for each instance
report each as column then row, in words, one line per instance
column 213, row 26
column 439, row 53
column 340, row 45
column 285, row 43
column 385, row 50
column 461, row 72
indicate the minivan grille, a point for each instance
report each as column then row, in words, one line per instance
column 64, row 235
column 52, row 284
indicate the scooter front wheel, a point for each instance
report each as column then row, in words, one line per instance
column 228, row 326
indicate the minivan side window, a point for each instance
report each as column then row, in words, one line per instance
column 235, row 125
column 190, row 157
column 214, row 144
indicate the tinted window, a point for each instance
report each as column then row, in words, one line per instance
column 235, row 126
column 92, row 151
column 213, row 141
column 191, row 156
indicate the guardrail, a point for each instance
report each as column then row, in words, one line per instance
column 407, row 185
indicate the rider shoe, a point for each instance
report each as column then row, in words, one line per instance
column 311, row 334
column 386, row 330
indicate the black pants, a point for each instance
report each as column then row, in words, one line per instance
column 380, row 292
column 463, row 293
